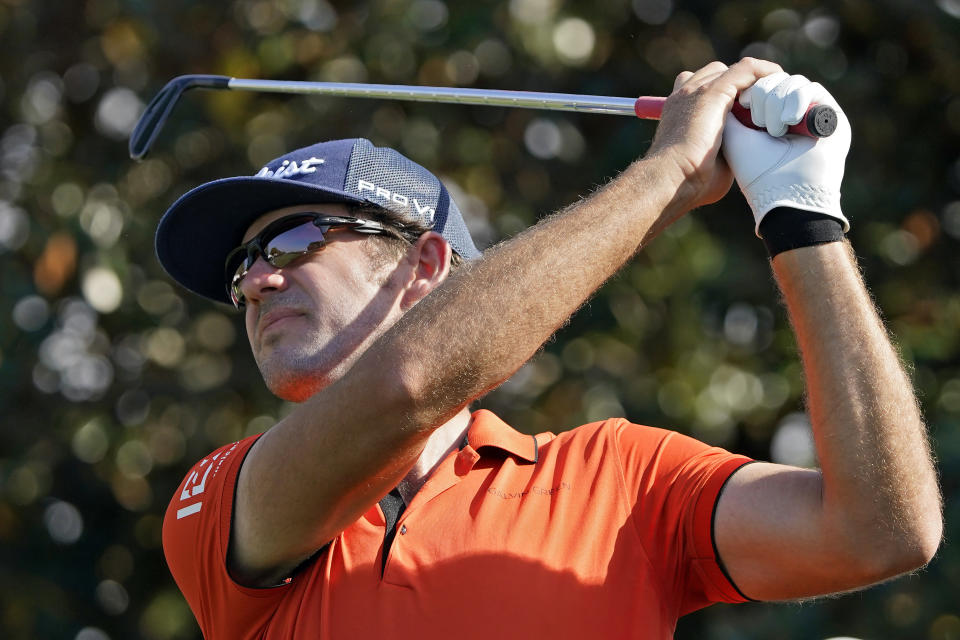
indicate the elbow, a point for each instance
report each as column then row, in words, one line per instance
column 905, row 552
column 408, row 389
column 921, row 539
column 926, row 542
column 417, row 396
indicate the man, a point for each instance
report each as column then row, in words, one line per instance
column 380, row 507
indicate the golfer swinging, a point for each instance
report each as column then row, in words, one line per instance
column 381, row 507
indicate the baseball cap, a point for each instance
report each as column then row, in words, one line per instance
column 202, row 226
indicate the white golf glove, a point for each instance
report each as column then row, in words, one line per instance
column 777, row 170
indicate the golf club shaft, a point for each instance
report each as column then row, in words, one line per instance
column 646, row 107
column 455, row 95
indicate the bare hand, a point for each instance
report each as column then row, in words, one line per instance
column 691, row 127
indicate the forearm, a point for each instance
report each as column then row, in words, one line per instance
column 878, row 476
column 491, row 317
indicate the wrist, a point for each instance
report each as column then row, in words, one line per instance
column 670, row 181
column 784, row 229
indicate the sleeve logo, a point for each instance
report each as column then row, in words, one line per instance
column 194, row 485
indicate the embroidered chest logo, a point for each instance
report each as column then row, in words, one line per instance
column 532, row 491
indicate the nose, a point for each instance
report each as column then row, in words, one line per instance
column 261, row 279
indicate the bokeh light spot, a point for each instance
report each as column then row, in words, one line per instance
column 80, row 82
column 31, row 313
column 132, row 493
column 165, row 346
column 543, row 138
column 740, row 324
column 90, row 442
column 214, row 331
column 102, row 221
column 532, row 11
column 116, row 563
column 463, row 67
column 41, row 100
column 14, row 227
column 793, row 442
column 134, row 459
column 494, row 57
column 574, row 39
column 823, row 31
column 67, row 198
column 950, row 7
column 653, row 11
column 56, row 264
column 344, row 69
column 118, row 112
column 112, row 596
column 203, row 371
column 157, row 297
column 102, row 289
column 316, row 15
column 133, row 407
column 427, row 15
column 166, row 617
column 63, row 521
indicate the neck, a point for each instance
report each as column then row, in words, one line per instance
column 442, row 441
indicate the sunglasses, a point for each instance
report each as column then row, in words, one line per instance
column 285, row 240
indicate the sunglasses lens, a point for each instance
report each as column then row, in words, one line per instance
column 236, row 294
column 284, row 248
column 280, row 250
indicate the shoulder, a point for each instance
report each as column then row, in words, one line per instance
column 617, row 432
column 197, row 519
column 196, row 533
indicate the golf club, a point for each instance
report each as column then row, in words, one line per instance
column 820, row 120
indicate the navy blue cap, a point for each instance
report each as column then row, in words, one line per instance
column 205, row 224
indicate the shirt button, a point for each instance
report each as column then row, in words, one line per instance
column 403, row 529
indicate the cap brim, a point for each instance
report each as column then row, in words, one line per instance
column 205, row 224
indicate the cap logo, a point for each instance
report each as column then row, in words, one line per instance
column 290, row 168
column 425, row 211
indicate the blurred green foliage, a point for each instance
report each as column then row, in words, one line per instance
column 114, row 380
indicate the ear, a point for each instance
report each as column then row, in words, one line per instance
column 430, row 259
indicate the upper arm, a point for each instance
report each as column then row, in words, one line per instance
column 673, row 482
column 195, row 534
column 777, row 542
column 314, row 473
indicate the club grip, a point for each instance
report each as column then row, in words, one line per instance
column 820, row 120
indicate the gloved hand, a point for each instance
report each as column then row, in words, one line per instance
column 777, row 170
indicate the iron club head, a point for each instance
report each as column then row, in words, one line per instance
column 159, row 109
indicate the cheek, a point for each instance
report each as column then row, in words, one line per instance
column 250, row 322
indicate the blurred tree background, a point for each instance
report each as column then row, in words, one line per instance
column 113, row 381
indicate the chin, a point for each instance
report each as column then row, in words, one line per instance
column 295, row 386
column 295, row 372
column 297, row 382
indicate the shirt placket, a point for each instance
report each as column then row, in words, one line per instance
column 447, row 475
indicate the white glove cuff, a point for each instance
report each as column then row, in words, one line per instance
column 806, row 197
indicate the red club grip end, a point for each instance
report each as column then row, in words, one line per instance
column 820, row 120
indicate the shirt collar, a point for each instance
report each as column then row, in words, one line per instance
column 488, row 431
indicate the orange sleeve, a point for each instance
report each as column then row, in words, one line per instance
column 674, row 482
column 196, row 532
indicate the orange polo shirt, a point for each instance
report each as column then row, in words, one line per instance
column 603, row 531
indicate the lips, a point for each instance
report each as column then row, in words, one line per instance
column 274, row 317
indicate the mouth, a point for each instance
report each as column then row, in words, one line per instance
column 276, row 320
